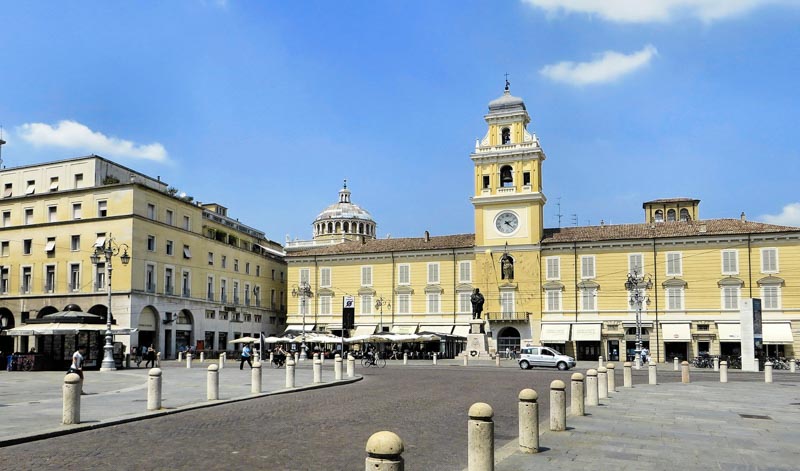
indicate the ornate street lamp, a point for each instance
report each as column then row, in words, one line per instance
column 303, row 291
column 109, row 250
column 379, row 305
column 636, row 284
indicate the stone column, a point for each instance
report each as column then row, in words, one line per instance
column 384, row 452
column 558, row 406
column 627, row 376
column 768, row 372
column 592, row 394
column 188, row 360
column 676, row 364
column 599, row 363
column 351, row 366
column 337, row 367
column 652, row 373
column 612, row 380
column 317, row 371
column 212, row 383
column 529, row 421
column 602, row 383
column 716, row 363
column 685, row 372
column 723, row 372
column 154, row 389
column 290, row 373
column 480, row 438
column 255, row 378
column 578, row 403
column 202, row 357
column 71, row 395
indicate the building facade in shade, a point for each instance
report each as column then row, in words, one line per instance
column 564, row 287
column 196, row 277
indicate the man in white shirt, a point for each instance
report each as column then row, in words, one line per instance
column 77, row 364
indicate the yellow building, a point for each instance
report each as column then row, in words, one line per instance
column 564, row 287
column 196, row 278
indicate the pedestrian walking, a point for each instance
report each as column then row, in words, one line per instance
column 77, row 365
column 246, row 356
column 150, row 357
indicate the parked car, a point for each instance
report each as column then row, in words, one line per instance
column 544, row 356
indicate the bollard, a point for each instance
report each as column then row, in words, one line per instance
column 180, row 356
column 222, row 360
column 434, row 358
column 529, row 421
column 188, row 360
column 158, row 360
column 716, row 363
column 255, row 378
column 480, row 438
column 558, row 406
column 768, row 372
column 317, row 371
column 289, row 373
column 154, row 389
column 212, row 383
column 202, row 357
column 315, row 357
column 337, row 367
column 612, row 380
column 271, row 357
column 685, row 372
column 384, row 452
column 602, row 383
column 652, row 376
column 497, row 359
column 723, row 372
column 466, row 360
column 405, row 358
column 676, row 364
column 627, row 378
column 351, row 366
column 296, row 357
column 578, row 405
column 792, row 366
column 71, row 393
column 599, row 363
column 592, row 397
column 322, row 359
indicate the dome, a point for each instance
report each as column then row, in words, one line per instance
column 507, row 102
column 344, row 209
column 344, row 219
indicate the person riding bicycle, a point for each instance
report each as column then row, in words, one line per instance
column 370, row 355
column 279, row 356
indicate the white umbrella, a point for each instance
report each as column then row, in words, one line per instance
column 244, row 340
column 274, row 339
column 321, row 338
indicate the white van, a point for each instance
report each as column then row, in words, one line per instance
column 544, row 356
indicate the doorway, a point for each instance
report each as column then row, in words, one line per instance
column 613, row 350
column 588, row 350
column 676, row 349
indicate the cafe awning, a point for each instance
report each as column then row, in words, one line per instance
column 730, row 332
column 778, row 333
column 404, row 329
column 555, row 333
column 436, row 328
column 62, row 328
column 586, row 332
column 676, row 332
column 366, row 329
column 461, row 330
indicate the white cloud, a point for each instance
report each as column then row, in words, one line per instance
column 607, row 67
column 73, row 135
column 790, row 216
column 647, row 11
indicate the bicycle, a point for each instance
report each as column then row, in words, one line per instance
column 367, row 361
column 779, row 363
column 23, row 362
column 278, row 361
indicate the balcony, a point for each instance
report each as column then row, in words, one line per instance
column 506, row 316
column 210, row 296
column 186, row 293
column 49, row 288
column 169, row 289
column 150, row 287
column 25, row 289
column 223, row 298
column 236, row 300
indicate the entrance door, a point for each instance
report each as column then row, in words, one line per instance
column 167, row 344
column 588, row 350
column 676, row 349
column 613, row 350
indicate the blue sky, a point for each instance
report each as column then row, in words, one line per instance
column 266, row 106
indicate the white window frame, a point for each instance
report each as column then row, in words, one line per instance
column 723, row 293
column 52, row 213
column 552, row 268
column 404, row 267
column 366, row 304
column 169, row 217
column 676, row 257
column 675, row 298
column 151, row 243
column 27, row 216
column 74, row 283
column 102, row 208
column 590, row 294
column 464, row 303
column 728, row 253
column 366, row 275
column 764, row 268
column 325, row 303
column 169, row 248
column 433, row 303
column 585, row 265
column 304, row 275
column 77, row 211
column 6, row 218
column 433, row 273
column 507, row 304
column 553, row 300
column 771, row 303
column 151, row 211
column 325, row 277
column 465, row 271
column 404, row 303
column 632, row 265
column 150, row 269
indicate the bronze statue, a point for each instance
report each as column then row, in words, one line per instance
column 477, row 303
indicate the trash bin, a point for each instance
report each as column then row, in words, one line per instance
column 9, row 362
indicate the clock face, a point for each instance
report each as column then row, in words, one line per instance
column 506, row 222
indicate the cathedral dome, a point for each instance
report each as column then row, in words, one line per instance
column 343, row 219
column 507, row 102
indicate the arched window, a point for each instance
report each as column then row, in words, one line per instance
column 338, row 227
column 659, row 216
column 361, row 228
column 330, row 228
column 671, row 215
column 685, row 215
column 346, row 227
column 506, row 176
column 506, row 136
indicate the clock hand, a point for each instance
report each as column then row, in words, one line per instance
column 508, row 223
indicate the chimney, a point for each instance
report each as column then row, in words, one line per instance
column 743, row 217
column 427, row 236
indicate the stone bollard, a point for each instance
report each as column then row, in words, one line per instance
column 212, row 383
column 602, row 383
column 652, row 373
column 627, row 377
column 158, row 360
column 592, row 395
column 792, row 366
column 154, row 389
column 317, row 371
column 222, row 360
column 315, row 357
column 768, row 372
column 578, row 405
column 296, row 357
column 290, row 373
column 351, row 366
column 405, row 358
column 255, row 378
column 529, row 421
column 466, row 360
column 612, row 380
column 685, row 372
column 434, row 358
column 599, row 363
column 202, row 357
column 337, row 367
column 322, row 359
column 71, row 393
column 188, row 360
column 558, row 406
column 271, row 357
column 723, row 372
column 676, row 364
column 716, row 363
column 180, row 356
column 384, row 452
column 480, row 438
column 497, row 359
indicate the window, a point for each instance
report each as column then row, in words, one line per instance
column 771, row 297
column 27, row 279
column 223, row 290
column 50, row 246
column 258, row 271
column 674, row 299
column 730, row 297
column 553, row 268
column 4, row 248
column 211, row 258
column 210, row 314
column 27, row 244
column 76, row 210
column 75, row 243
column 526, row 178
column 730, row 262
column 674, row 267
column 186, row 284
column 433, row 303
column 7, row 190
column 587, row 266
column 505, row 136
column 305, row 275
column 507, row 303
column 50, row 278
column 6, row 218
column 74, row 276
column 31, row 187
column 186, row 252
column 4, row 279
column 636, row 263
column 101, row 240
column 247, row 268
column 78, row 180
column 325, row 277
column 168, row 218
column 53, row 183
column 28, row 216
column 170, row 248
column 404, row 274
column 404, row 304
column 465, row 272
column 553, row 300
column 486, row 183
column 366, row 304
column 464, row 303
column 210, row 288
column 325, row 305
column 151, row 211
column 589, row 299
column 169, row 280
column 236, row 264
column 52, row 213
column 235, row 292
column 659, row 217
column 506, row 176
column 671, row 215
column 433, row 273
column 769, row 260
column 187, row 223
column 685, row 215
column 102, row 209
column 273, row 273
column 247, row 294
column 366, row 276
column 224, row 261
column 151, row 243
column 150, row 278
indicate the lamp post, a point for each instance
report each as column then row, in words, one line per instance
column 636, row 283
column 109, row 250
column 379, row 305
column 303, row 291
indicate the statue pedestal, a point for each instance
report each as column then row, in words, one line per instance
column 477, row 347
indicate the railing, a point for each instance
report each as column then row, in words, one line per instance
column 169, row 289
column 223, row 298
column 210, row 296
column 48, row 288
column 505, row 316
column 150, row 287
column 236, row 300
column 186, row 292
